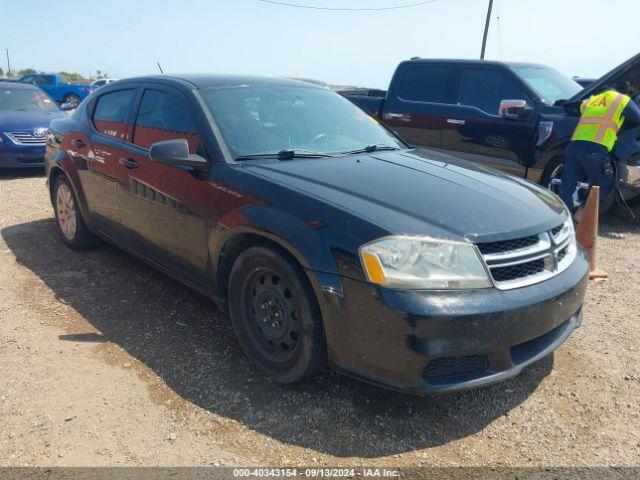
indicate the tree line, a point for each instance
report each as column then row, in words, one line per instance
column 69, row 77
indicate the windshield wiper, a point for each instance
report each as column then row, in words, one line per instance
column 369, row 149
column 285, row 155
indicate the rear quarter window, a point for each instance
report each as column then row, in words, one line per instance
column 426, row 84
column 112, row 111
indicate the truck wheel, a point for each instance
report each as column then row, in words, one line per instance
column 71, row 227
column 72, row 99
column 554, row 170
column 275, row 316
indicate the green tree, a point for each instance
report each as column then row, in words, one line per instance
column 1, row 72
column 27, row 71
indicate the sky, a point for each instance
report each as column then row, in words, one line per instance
column 127, row 37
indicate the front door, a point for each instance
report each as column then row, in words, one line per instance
column 475, row 131
column 164, row 210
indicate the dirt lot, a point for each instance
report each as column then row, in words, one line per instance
column 104, row 361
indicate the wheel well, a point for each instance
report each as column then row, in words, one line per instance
column 551, row 165
column 55, row 173
column 238, row 244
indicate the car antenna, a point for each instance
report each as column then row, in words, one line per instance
column 160, row 68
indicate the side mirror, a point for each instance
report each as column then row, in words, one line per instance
column 176, row 153
column 65, row 107
column 514, row 109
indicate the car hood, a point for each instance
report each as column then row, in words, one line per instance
column 13, row 121
column 628, row 71
column 420, row 192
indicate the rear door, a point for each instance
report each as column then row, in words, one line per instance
column 418, row 102
column 165, row 210
column 96, row 150
column 473, row 128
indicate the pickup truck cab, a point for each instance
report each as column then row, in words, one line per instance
column 516, row 117
column 61, row 92
column 327, row 239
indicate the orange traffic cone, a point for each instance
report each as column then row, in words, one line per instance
column 587, row 232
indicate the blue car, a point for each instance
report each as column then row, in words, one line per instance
column 25, row 113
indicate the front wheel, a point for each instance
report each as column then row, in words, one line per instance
column 553, row 172
column 275, row 316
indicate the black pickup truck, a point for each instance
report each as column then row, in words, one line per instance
column 517, row 117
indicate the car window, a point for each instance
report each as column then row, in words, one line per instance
column 426, row 84
column 164, row 116
column 484, row 89
column 255, row 120
column 112, row 112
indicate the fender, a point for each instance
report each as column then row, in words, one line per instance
column 61, row 162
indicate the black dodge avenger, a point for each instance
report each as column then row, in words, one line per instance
column 326, row 238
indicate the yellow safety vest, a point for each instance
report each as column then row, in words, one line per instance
column 601, row 118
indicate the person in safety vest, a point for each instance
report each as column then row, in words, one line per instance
column 587, row 154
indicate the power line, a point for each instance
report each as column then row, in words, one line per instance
column 310, row 7
column 499, row 32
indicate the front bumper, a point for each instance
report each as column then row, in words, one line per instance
column 442, row 341
column 27, row 157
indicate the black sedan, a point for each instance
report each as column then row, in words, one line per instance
column 328, row 240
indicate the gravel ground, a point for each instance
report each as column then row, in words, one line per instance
column 104, row 361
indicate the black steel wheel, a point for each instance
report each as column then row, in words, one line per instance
column 275, row 315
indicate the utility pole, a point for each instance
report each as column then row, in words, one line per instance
column 8, row 64
column 486, row 30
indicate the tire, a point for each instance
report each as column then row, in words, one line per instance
column 275, row 316
column 70, row 225
column 72, row 99
column 554, row 170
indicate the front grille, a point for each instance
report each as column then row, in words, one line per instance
column 452, row 366
column 521, row 270
column 563, row 253
column 26, row 138
column 507, row 245
column 528, row 260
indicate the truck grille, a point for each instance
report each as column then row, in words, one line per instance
column 26, row 138
column 527, row 260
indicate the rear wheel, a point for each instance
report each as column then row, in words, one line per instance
column 72, row 99
column 71, row 226
column 275, row 316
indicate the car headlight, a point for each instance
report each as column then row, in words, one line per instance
column 423, row 263
column 566, row 232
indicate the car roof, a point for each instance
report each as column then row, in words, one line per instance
column 17, row 85
column 202, row 81
column 475, row 62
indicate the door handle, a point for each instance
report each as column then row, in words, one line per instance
column 76, row 142
column 127, row 162
column 397, row 116
column 455, row 121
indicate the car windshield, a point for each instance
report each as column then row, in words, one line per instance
column 272, row 119
column 25, row 100
column 549, row 83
